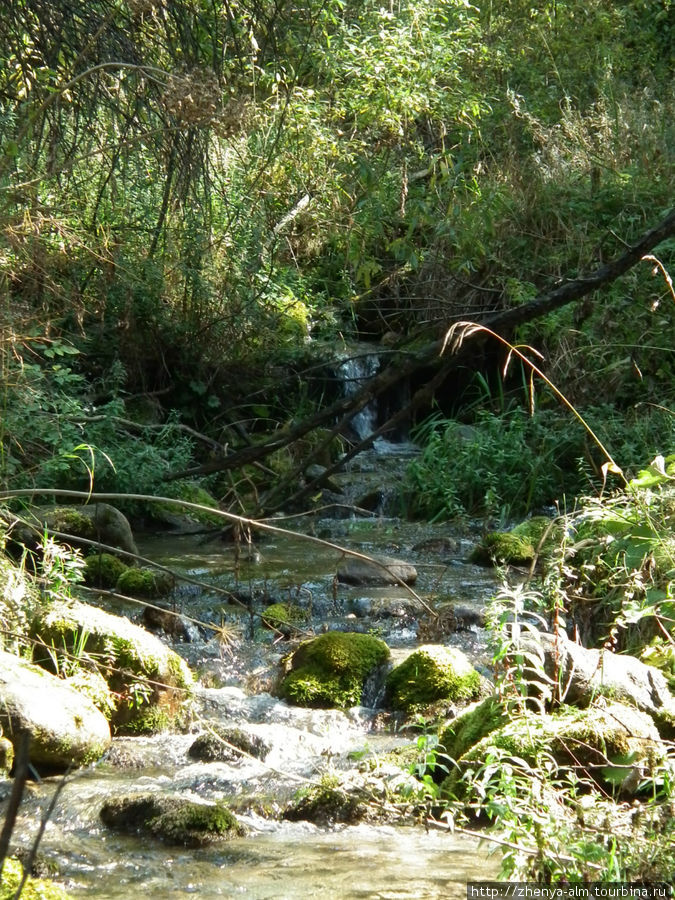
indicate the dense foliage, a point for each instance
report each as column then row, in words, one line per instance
column 188, row 190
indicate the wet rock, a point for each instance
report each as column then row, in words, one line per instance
column 383, row 570
column 95, row 521
column 437, row 545
column 220, row 744
column 168, row 621
column 432, row 673
column 152, row 680
column 66, row 728
column 175, row 820
column 328, row 804
column 331, row 670
column 316, row 472
column 586, row 674
column 448, row 619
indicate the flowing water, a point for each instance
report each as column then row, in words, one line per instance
column 276, row 859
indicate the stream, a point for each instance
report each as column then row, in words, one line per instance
column 277, row 859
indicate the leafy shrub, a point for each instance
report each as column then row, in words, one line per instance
column 511, row 463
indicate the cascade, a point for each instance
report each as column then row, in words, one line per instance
column 352, row 372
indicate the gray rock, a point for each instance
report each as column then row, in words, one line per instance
column 585, row 674
column 383, row 570
column 106, row 524
column 65, row 727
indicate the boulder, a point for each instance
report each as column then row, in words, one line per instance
column 585, row 674
column 332, row 670
column 383, row 570
column 176, row 820
column 151, row 679
column 93, row 521
column 612, row 743
column 66, row 728
column 431, row 673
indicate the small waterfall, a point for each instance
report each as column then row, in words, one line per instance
column 352, row 373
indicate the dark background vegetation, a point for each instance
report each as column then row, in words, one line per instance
column 202, row 200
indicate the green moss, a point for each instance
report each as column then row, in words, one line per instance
column 191, row 492
column 473, row 724
column 175, row 820
column 151, row 680
column 103, row 570
column 285, row 614
column 330, row 671
column 6, row 757
column 69, row 520
column 543, row 533
column 34, row 889
column 432, row 673
column 327, row 804
column 147, row 583
column 93, row 685
column 500, row 547
column 603, row 742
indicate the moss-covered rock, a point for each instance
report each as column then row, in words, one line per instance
column 503, row 547
column 331, row 670
column 175, row 820
column 92, row 684
column 93, row 521
column 103, row 570
column 471, row 725
column 178, row 516
column 65, row 727
column 221, row 745
column 151, row 680
column 33, row 889
column 6, row 757
column 327, row 804
column 533, row 538
column 285, row 617
column 608, row 743
column 149, row 584
column 433, row 672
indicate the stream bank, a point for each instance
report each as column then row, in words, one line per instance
column 277, row 858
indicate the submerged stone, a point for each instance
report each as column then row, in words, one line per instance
column 433, row 672
column 331, row 670
column 383, row 570
column 176, row 820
